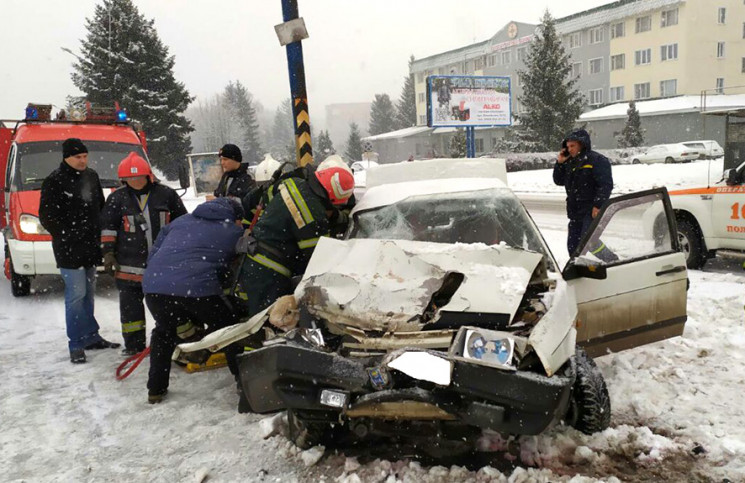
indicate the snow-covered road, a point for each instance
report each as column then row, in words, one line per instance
column 677, row 408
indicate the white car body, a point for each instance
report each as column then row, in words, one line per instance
column 667, row 153
column 709, row 149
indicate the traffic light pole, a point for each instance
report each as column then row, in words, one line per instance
column 290, row 34
column 470, row 142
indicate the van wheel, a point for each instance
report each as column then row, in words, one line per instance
column 589, row 407
column 20, row 285
column 691, row 243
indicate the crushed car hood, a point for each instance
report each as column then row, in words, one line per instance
column 388, row 284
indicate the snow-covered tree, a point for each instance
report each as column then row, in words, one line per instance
column 632, row 135
column 240, row 103
column 323, row 147
column 282, row 136
column 214, row 124
column 123, row 59
column 457, row 144
column 382, row 115
column 550, row 98
column 406, row 105
column 354, row 143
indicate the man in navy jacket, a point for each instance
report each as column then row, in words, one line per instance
column 187, row 269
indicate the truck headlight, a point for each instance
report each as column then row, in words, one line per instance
column 31, row 225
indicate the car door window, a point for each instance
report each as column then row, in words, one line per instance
column 629, row 229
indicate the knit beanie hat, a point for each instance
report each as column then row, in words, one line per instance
column 231, row 151
column 73, row 147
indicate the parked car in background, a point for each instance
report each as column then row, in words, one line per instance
column 667, row 153
column 362, row 165
column 709, row 149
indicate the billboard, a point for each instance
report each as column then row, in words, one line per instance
column 459, row 101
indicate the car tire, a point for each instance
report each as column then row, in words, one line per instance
column 589, row 406
column 669, row 160
column 635, row 161
column 20, row 285
column 306, row 434
column 692, row 244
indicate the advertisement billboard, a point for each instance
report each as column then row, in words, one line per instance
column 460, row 101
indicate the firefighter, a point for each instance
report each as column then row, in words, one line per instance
column 235, row 182
column 131, row 220
column 265, row 176
column 285, row 236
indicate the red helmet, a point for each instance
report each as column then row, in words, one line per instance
column 336, row 178
column 134, row 165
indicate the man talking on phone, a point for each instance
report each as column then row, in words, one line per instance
column 586, row 176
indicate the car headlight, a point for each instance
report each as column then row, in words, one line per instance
column 490, row 347
column 31, row 225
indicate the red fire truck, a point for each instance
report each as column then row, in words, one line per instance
column 30, row 149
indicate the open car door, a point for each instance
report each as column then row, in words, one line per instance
column 629, row 276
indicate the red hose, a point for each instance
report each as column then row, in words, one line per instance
column 134, row 361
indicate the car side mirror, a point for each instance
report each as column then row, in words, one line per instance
column 732, row 177
column 574, row 270
column 183, row 175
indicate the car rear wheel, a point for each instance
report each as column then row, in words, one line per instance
column 669, row 160
column 589, row 407
column 691, row 243
column 635, row 161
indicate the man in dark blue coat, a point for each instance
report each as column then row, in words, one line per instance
column 187, row 270
column 586, row 176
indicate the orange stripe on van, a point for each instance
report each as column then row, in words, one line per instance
column 694, row 191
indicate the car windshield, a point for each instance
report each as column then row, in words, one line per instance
column 36, row 160
column 490, row 216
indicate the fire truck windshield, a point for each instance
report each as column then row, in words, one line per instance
column 35, row 160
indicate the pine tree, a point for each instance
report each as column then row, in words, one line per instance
column 406, row 105
column 323, row 147
column 550, row 97
column 457, row 144
column 240, row 102
column 632, row 135
column 123, row 59
column 382, row 115
column 282, row 136
column 354, row 144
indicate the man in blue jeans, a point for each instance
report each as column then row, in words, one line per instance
column 70, row 207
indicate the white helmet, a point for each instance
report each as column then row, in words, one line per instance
column 333, row 161
column 266, row 169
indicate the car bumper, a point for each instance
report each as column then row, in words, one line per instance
column 289, row 376
column 32, row 257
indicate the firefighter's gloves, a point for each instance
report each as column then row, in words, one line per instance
column 246, row 245
column 110, row 265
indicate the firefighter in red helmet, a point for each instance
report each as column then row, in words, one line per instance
column 130, row 223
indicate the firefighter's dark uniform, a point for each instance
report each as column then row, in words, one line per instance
column 235, row 184
column 283, row 240
column 130, row 222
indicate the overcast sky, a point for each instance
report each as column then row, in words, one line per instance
column 356, row 49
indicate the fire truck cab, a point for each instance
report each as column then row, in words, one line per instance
column 30, row 149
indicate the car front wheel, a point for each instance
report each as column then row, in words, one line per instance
column 589, row 407
column 20, row 285
column 636, row 161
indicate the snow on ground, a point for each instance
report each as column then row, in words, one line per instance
column 677, row 404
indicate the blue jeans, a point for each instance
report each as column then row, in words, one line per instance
column 82, row 327
column 577, row 228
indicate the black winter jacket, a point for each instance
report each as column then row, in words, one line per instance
column 587, row 178
column 235, row 184
column 69, row 210
column 129, row 231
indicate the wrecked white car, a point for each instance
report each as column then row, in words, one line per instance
column 444, row 312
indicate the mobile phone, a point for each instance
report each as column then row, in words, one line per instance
column 565, row 152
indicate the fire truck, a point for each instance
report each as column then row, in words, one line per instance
column 30, row 149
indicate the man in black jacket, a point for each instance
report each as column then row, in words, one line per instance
column 235, row 182
column 70, row 207
column 131, row 220
column 586, row 176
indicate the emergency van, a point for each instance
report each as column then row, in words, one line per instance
column 711, row 218
column 30, row 149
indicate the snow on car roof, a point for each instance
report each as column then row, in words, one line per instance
column 388, row 194
column 440, row 169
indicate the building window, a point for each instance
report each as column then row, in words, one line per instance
column 422, row 97
column 618, row 62
column 596, row 97
column 669, row 87
column 720, row 50
column 469, row 67
column 669, row 52
column 478, row 63
column 720, row 85
column 669, row 17
column 575, row 40
column 506, row 57
column 641, row 91
column 617, row 30
column 521, row 53
column 576, row 70
column 492, row 60
column 597, row 35
column 642, row 57
column 743, row 65
column 722, row 16
column 616, row 94
column 743, row 30
column 596, row 65
column 423, row 120
column 479, row 145
column 643, row 24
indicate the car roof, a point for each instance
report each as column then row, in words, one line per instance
column 437, row 169
column 28, row 133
